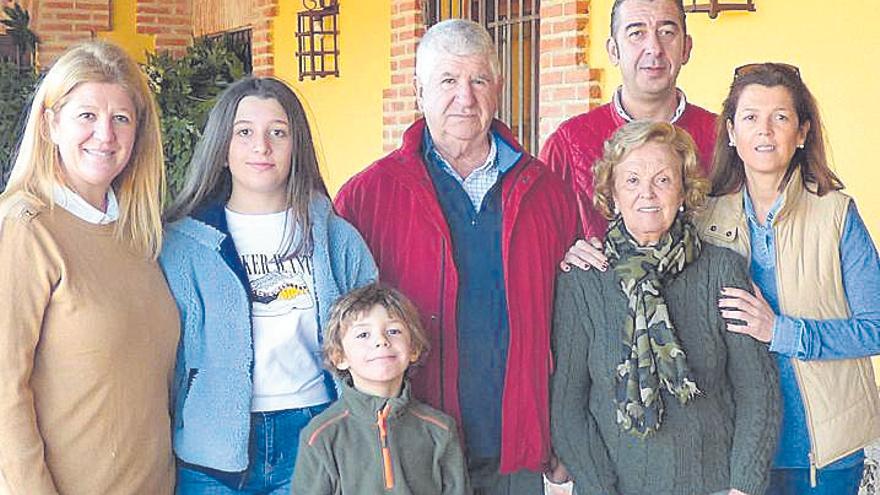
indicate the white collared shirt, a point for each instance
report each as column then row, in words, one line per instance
column 617, row 102
column 75, row 204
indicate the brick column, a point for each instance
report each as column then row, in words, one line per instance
column 169, row 20
column 568, row 85
column 399, row 107
column 63, row 23
column 262, row 43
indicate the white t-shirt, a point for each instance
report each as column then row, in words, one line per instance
column 287, row 356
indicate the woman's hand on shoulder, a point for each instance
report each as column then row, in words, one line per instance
column 756, row 315
column 585, row 255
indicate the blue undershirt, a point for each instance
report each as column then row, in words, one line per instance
column 807, row 339
column 482, row 318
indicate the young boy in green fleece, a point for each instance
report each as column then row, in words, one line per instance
column 377, row 439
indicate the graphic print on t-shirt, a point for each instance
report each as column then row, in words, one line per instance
column 278, row 285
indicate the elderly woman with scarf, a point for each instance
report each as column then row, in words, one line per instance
column 651, row 394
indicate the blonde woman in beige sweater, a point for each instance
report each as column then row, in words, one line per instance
column 89, row 330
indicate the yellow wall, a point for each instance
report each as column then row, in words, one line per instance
column 123, row 17
column 345, row 112
column 835, row 49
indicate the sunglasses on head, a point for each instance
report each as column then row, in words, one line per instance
column 742, row 70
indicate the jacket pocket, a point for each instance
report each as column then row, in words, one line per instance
column 719, row 235
column 182, row 394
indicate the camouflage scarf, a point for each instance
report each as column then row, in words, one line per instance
column 653, row 356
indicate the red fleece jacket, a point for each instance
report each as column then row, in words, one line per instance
column 394, row 206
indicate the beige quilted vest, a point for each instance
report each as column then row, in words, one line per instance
column 840, row 396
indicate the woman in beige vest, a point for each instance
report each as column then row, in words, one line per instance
column 88, row 331
column 817, row 275
column 778, row 203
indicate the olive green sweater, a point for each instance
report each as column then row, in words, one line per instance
column 722, row 439
column 341, row 450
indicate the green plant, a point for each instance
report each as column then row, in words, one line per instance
column 186, row 89
column 16, row 90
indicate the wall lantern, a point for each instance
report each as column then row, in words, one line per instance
column 713, row 7
column 316, row 33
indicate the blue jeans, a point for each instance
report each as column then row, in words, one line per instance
column 828, row 481
column 274, row 440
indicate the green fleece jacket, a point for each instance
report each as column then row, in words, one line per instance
column 722, row 439
column 364, row 445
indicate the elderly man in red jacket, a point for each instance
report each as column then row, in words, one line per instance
column 471, row 227
column 650, row 44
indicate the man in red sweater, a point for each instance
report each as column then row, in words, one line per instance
column 649, row 43
column 471, row 227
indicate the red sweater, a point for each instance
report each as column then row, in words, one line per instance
column 578, row 143
column 394, row 206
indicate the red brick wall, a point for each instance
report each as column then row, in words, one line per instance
column 62, row 23
column 262, row 44
column 399, row 108
column 568, row 85
column 169, row 20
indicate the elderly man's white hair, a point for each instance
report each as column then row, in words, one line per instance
column 459, row 37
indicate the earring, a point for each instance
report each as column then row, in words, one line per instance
column 801, row 146
column 681, row 208
column 616, row 210
column 730, row 143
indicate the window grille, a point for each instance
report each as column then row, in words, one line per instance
column 8, row 50
column 238, row 42
column 316, row 34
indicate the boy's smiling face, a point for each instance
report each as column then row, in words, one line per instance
column 377, row 351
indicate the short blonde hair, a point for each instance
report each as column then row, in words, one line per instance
column 361, row 301
column 140, row 187
column 634, row 135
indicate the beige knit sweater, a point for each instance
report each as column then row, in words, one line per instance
column 88, row 333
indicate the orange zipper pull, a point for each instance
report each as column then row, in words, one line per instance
column 381, row 422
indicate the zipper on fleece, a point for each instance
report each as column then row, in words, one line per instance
column 382, row 423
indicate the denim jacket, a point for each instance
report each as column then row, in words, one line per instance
column 213, row 379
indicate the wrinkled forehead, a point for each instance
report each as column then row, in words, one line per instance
column 440, row 61
column 650, row 158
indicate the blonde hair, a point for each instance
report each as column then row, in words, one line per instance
column 140, row 187
column 360, row 301
column 695, row 187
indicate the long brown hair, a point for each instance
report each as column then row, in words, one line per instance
column 728, row 174
column 208, row 180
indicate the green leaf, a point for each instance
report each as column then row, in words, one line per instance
column 186, row 89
